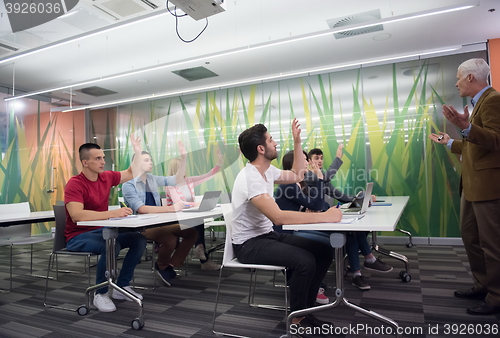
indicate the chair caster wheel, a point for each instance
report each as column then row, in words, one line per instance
column 405, row 276
column 409, row 245
column 82, row 310
column 136, row 324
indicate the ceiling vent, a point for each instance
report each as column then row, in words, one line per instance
column 193, row 74
column 6, row 49
column 126, row 9
column 355, row 19
column 432, row 68
column 96, row 91
column 11, row 48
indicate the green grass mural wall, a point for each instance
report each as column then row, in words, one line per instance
column 383, row 121
column 387, row 145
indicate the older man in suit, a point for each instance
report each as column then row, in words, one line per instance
column 480, row 181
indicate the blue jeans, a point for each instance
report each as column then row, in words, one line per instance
column 355, row 241
column 92, row 241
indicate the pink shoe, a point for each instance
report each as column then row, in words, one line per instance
column 321, row 298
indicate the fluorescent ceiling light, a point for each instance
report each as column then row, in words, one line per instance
column 68, row 14
column 85, row 35
column 251, row 81
column 440, row 10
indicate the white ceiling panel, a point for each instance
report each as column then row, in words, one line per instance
column 244, row 23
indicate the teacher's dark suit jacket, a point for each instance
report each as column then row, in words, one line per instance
column 481, row 150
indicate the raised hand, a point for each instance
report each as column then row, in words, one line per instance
column 220, row 157
column 339, row 151
column 182, row 150
column 136, row 143
column 316, row 170
column 296, row 131
column 457, row 119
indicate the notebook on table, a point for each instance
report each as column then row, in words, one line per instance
column 209, row 201
column 364, row 206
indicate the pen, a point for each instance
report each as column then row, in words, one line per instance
column 338, row 205
column 123, row 205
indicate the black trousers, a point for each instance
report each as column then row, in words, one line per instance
column 308, row 261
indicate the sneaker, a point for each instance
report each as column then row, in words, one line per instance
column 210, row 265
column 165, row 276
column 199, row 253
column 321, row 298
column 307, row 328
column 360, row 283
column 171, row 271
column 120, row 296
column 378, row 265
column 103, row 303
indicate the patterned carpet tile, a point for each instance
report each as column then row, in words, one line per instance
column 424, row 307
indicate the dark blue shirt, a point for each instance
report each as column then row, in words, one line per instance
column 291, row 197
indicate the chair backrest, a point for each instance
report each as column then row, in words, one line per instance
column 59, row 239
column 225, row 197
column 8, row 210
column 227, row 210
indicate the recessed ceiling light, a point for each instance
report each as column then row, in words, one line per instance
column 382, row 37
column 142, row 81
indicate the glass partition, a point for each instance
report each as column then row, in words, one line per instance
column 382, row 114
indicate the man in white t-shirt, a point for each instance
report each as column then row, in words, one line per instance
column 255, row 211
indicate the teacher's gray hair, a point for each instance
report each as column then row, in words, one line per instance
column 477, row 67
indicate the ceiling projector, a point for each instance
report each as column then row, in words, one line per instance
column 199, row 9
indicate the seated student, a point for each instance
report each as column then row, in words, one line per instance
column 301, row 197
column 183, row 192
column 86, row 198
column 355, row 241
column 255, row 211
column 142, row 196
column 316, row 156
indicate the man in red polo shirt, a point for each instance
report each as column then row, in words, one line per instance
column 86, row 199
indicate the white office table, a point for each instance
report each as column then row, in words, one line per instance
column 32, row 217
column 377, row 218
column 7, row 220
column 110, row 233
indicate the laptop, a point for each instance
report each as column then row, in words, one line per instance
column 365, row 204
column 209, row 201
